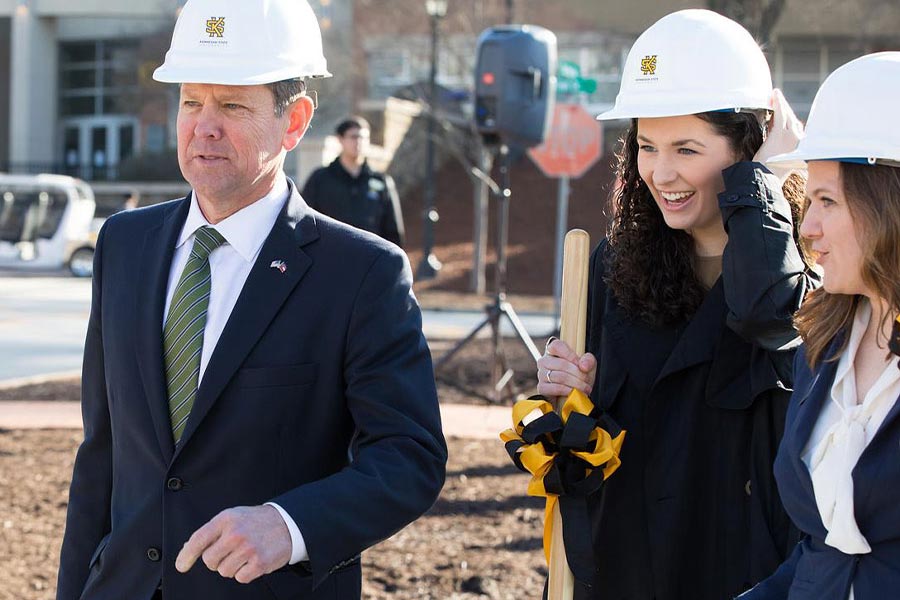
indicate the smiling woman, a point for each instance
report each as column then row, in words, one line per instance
column 690, row 336
column 837, row 467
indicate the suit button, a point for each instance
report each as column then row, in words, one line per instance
column 747, row 488
column 174, row 484
column 153, row 554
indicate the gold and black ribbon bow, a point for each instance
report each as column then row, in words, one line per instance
column 569, row 456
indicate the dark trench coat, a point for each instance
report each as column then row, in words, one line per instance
column 693, row 513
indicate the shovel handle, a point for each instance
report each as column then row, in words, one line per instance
column 572, row 330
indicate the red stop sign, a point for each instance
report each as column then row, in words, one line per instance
column 573, row 145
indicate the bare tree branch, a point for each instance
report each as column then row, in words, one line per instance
column 758, row 16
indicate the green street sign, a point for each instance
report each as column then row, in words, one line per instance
column 569, row 81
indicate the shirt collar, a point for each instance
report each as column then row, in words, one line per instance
column 248, row 228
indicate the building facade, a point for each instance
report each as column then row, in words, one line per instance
column 79, row 97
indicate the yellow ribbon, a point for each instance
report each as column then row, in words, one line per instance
column 604, row 450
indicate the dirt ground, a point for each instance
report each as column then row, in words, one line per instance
column 480, row 540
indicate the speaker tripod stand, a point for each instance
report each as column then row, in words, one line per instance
column 501, row 374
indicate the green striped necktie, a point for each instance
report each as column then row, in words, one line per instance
column 183, row 332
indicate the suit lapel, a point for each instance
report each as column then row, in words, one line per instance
column 156, row 259
column 699, row 339
column 262, row 296
column 809, row 406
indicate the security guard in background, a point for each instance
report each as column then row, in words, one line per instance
column 349, row 191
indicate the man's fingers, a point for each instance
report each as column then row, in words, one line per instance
column 248, row 572
column 229, row 565
column 194, row 548
column 245, row 540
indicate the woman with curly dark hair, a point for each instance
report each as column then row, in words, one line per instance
column 690, row 335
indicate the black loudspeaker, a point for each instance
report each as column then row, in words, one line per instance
column 515, row 84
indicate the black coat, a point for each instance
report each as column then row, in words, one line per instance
column 693, row 513
column 368, row 201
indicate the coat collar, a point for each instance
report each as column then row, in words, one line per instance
column 808, row 400
column 265, row 291
column 699, row 340
column 262, row 296
column 156, row 257
column 647, row 354
column 338, row 168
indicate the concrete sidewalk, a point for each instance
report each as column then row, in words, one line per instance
column 459, row 420
column 43, row 323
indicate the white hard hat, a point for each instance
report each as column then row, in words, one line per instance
column 689, row 62
column 851, row 117
column 244, row 42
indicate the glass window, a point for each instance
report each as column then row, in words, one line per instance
column 126, row 141
column 388, row 65
column 51, row 207
column 100, row 70
column 799, row 60
column 78, row 105
column 841, row 56
column 79, row 78
column 78, row 52
column 800, row 93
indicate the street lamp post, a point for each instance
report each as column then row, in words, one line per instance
column 430, row 264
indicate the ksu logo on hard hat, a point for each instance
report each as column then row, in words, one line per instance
column 215, row 26
column 648, row 65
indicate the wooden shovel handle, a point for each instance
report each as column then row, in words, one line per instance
column 572, row 330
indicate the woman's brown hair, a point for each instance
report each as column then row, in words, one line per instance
column 650, row 270
column 873, row 198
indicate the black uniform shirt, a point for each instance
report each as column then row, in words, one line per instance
column 368, row 201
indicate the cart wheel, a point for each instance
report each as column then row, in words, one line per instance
column 82, row 262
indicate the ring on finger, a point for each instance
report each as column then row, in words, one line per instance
column 549, row 379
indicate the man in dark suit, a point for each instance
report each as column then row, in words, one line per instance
column 258, row 398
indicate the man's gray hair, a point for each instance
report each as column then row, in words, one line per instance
column 286, row 92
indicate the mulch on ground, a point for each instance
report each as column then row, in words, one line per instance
column 482, row 539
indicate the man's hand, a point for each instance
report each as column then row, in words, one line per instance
column 245, row 543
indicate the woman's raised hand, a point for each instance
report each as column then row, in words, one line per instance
column 560, row 370
column 784, row 132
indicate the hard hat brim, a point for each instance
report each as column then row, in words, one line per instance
column 660, row 106
column 228, row 76
column 801, row 156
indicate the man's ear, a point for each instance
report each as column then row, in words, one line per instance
column 300, row 114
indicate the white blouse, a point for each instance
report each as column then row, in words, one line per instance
column 843, row 430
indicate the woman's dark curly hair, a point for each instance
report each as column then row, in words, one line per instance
column 650, row 266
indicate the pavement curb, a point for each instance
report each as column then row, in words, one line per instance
column 39, row 379
column 466, row 421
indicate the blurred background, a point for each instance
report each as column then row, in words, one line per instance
column 85, row 132
column 79, row 100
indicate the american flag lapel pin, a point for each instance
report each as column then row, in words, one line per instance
column 280, row 265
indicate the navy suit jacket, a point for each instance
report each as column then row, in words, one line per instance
column 319, row 396
column 816, row 571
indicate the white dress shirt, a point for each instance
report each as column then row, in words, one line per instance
column 842, row 432
column 230, row 264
